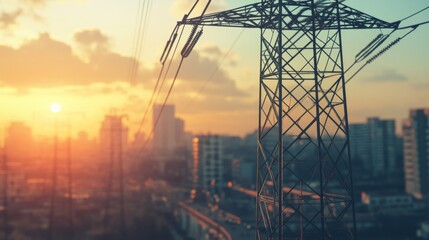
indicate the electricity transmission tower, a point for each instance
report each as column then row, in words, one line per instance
column 302, row 110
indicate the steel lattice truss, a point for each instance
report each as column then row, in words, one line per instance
column 258, row 15
column 304, row 178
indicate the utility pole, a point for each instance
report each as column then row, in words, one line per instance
column 70, row 180
column 121, row 185
column 109, row 179
column 115, row 129
column 54, row 182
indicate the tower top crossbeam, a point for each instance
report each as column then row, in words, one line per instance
column 297, row 15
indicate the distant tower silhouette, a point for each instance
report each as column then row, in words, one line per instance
column 113, row 136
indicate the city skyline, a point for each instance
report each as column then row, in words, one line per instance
column 95, row 43
column 133, row 136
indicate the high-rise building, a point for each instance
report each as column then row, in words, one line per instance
column 19, row 142
column 359, row 145
column 372, row 145
column 180, row 133
column 208, row 166
column 416, row 152
column 169, row 132
column 383, row 142
column 113, row 136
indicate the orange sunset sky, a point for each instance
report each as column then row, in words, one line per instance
column 79, row 53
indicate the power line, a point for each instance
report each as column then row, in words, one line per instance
column 188, row 47
column 147, row 18
column 142, row 34
column 414, row 14
column 158, row 91
column 136, row 40
column 155, row 124
column 155, row 91
column 378, row 54
column 142, row 19
column 164, row 57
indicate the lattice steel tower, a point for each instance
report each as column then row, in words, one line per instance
column 304, row 177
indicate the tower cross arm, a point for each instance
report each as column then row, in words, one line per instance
column 297, row 15
column 351, row 18
column 248, row 16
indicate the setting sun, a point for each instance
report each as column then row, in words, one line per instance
column 55, row 107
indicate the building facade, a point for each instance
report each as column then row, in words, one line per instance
column 169, row 131
column 416, row 152
column 208, row 169
column 372, row 146
column 393, row 204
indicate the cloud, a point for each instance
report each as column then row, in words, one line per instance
column 91, row 41
column 121, row 88
column 42, row 3
column 9, row 19
column 91, row 37
column 34, row 3
column 213, row 51
column 198, row 70
column 204, row 86
column 181, row 7
column 45, row 62
column 32, row 8
column 388, row 75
